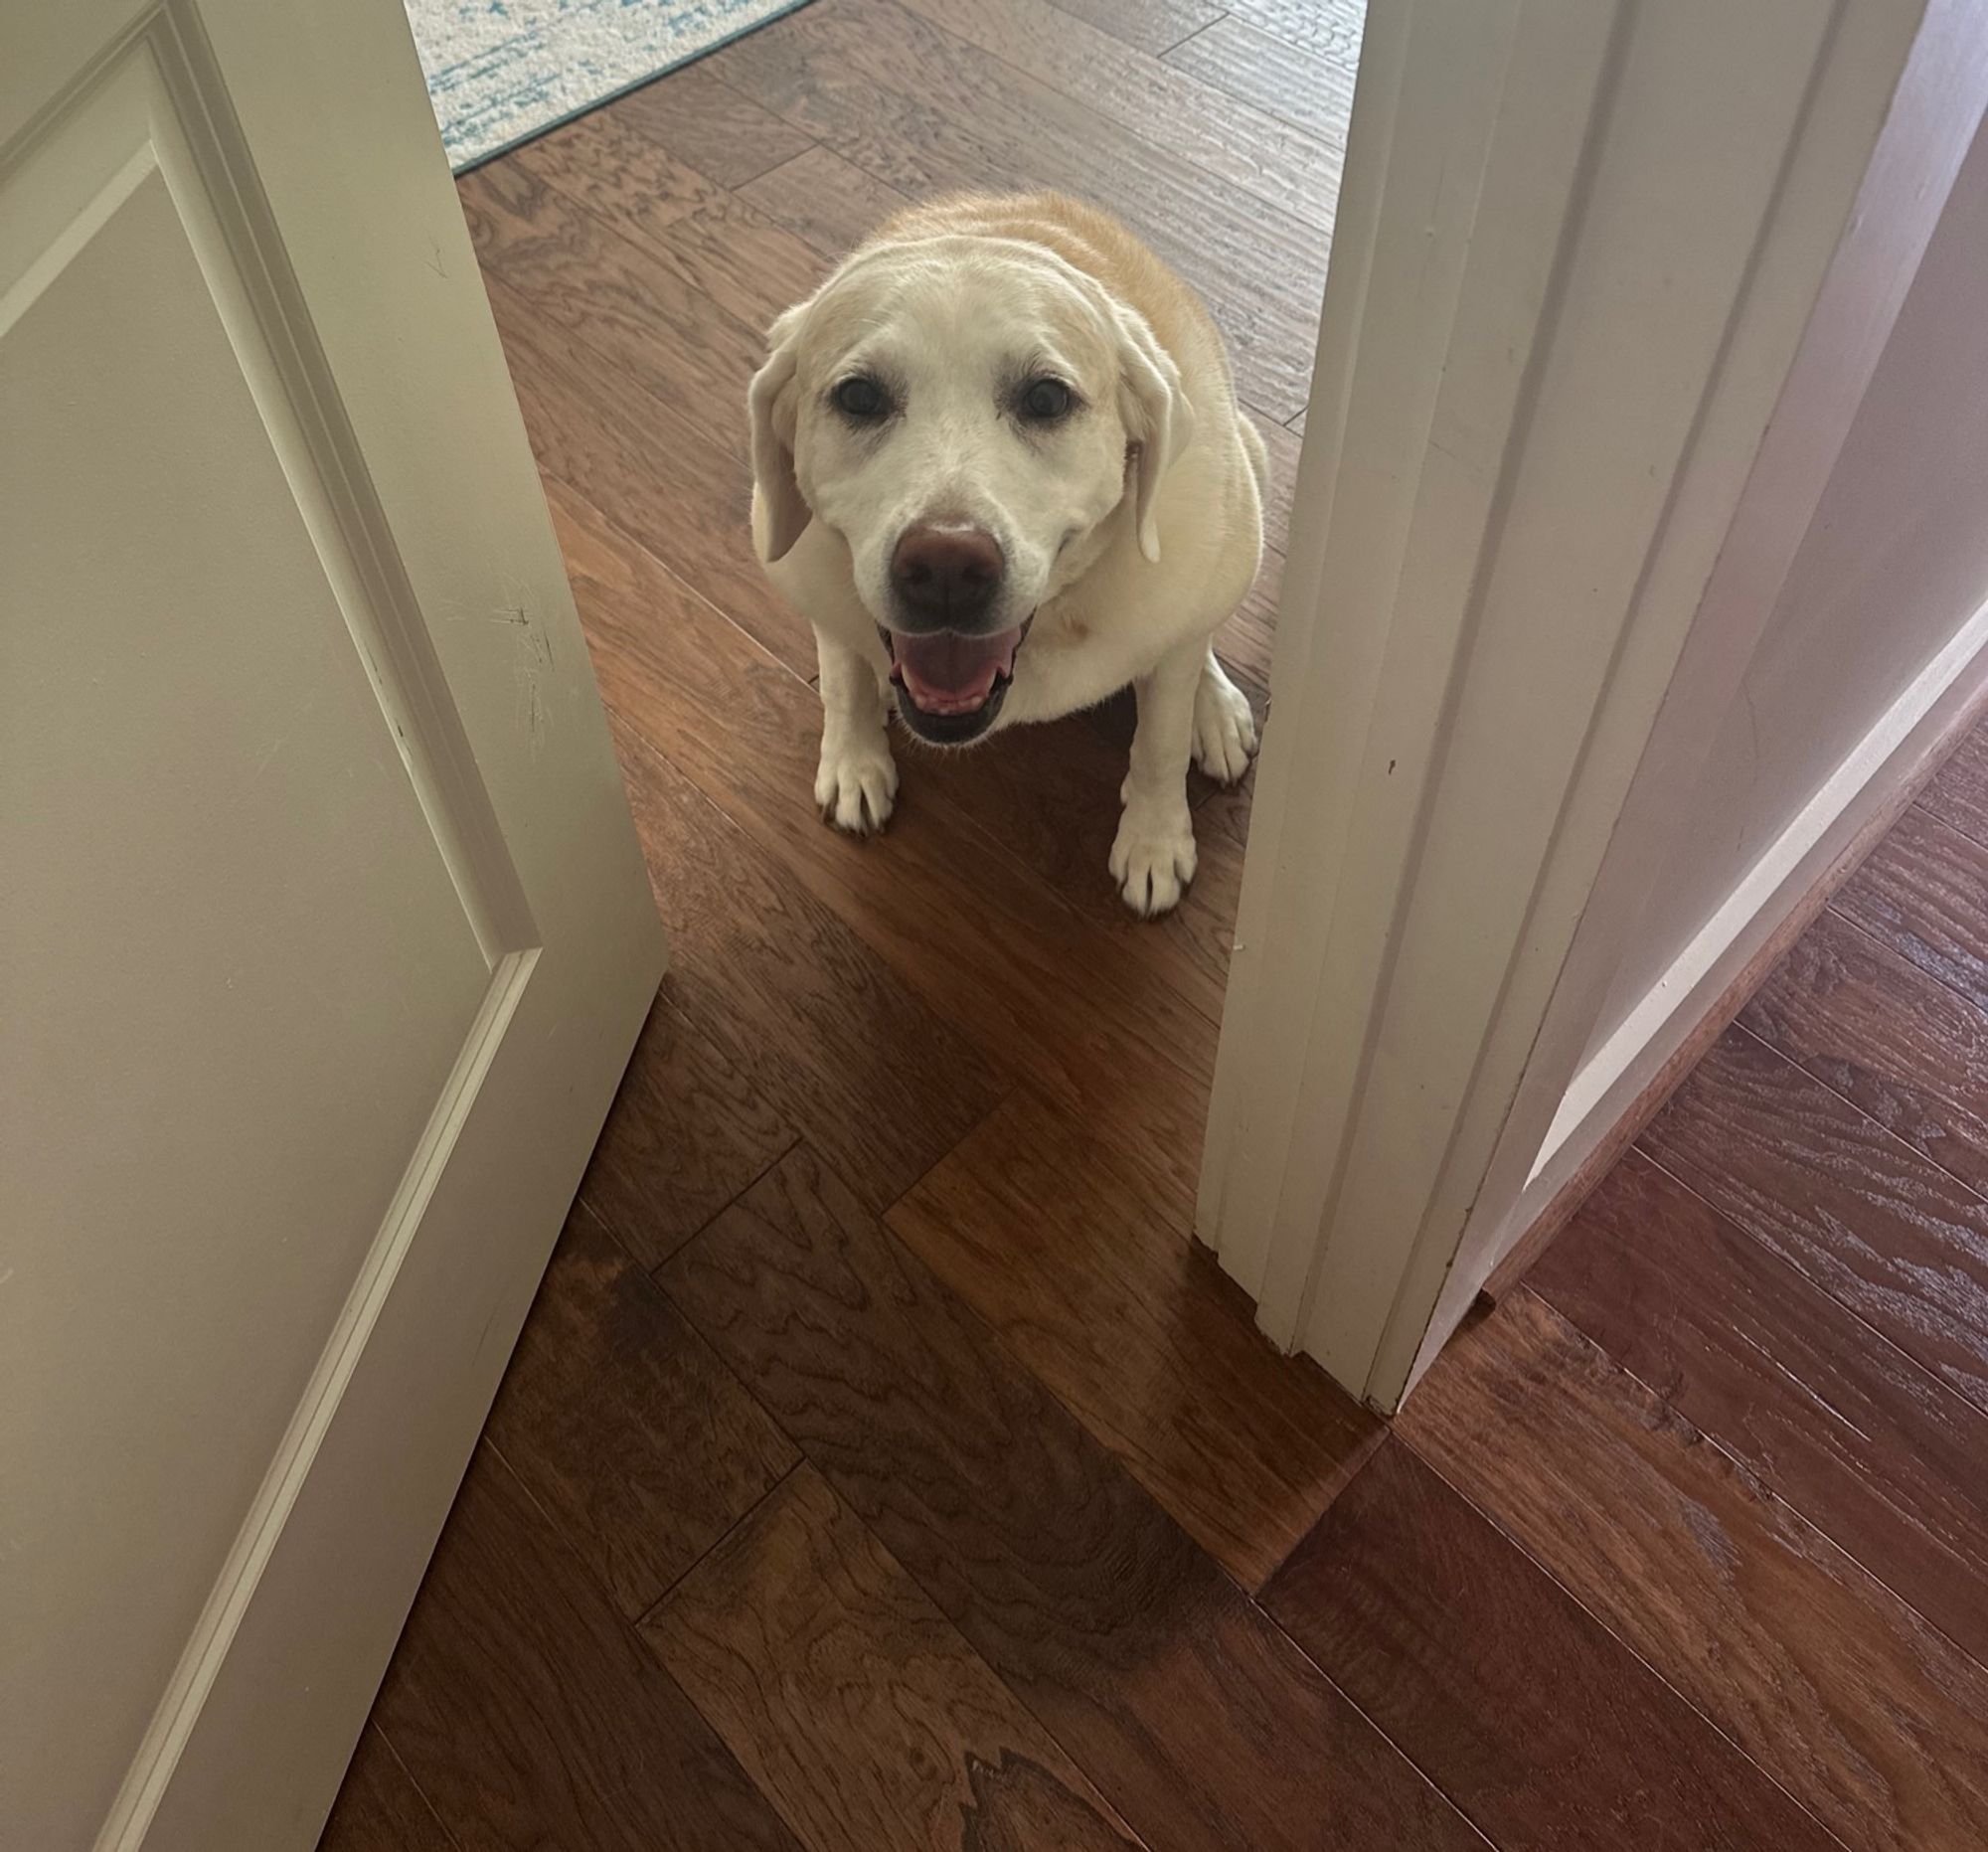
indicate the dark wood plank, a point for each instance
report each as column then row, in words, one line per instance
column 963, row 928
column 750, row 267
column 1085, row 1267
column 1923, row 890
column 854, row 1703
column 1152, row 24
column 1049, row 794
column 624, row 1427
column 828, row 203
column 708, row 127
column 644, row 323
column 1893, row 1236
column 937, row 113
column 1958, row 792
column 1056, row 805
column 678, row 489
column 1532, row 1717
column 1880, row 1456
column 794, row 1000
column 1876, row 1029
column 1869, row 1716
column 1195, row 1718
column 379, row 1808
column 1257, row 155
column 532, row 1715
column 687, row 1132
column 1308, row 89
column 603, row 163
column 719, row 262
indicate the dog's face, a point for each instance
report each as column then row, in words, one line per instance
column 965, row 412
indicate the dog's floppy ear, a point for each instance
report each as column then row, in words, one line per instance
column 770, row 402
column 1156, row 415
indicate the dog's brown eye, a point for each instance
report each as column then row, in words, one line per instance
column 1046, row 400
column 861, row 398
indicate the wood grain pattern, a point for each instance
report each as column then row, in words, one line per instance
column 1872, row 1027
column 964, row 928
column 1085, row 1267
column 602, row 163
column 1890, row 1235
column 379, row 1808
column 675, row 487
column 1308, row 89
column 1532, row 1717
column 830, row 203
column 1331, row 32
column 623, row 1426
column 794, row 1000
column 939, row 114
column 1869, row 1716
column 530, row 1715
column 1047, row 795
column 748, row 266
column 853, row 1702
column 708, row 127
column 687, row 1132
column 1879, row 1455
column 1958, row 792
column 1923, row 890
column 1152, row 24
column 643, row 323
column 1259, row 155
column 729, row 261
column 1195, row 1718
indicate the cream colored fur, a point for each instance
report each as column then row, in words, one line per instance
column 1131, row 533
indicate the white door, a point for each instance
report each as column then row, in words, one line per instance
column 323, row 931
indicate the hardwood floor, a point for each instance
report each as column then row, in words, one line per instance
column 882, row 1465
column 843, row 1689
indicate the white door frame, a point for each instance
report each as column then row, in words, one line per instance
column 1602, row 269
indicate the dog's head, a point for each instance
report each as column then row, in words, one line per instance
column 965, row 412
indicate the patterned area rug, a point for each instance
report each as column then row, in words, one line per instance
column 503, row 71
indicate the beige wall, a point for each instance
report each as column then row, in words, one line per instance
column 1895, row 561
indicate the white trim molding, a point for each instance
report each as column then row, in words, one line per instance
column 1602, row 273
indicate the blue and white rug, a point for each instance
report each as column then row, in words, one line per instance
column 503, row 71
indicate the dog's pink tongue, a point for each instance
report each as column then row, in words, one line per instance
column 948, row 674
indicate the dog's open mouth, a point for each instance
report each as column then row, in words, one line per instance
column 950, row 687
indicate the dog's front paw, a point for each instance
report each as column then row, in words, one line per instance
column 1224, row 730
column 856, row 786
column 1152, row 860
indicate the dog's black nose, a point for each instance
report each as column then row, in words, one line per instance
column 947, row 572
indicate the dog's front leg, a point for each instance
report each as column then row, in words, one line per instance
column 857, row 783
column 1153, row 857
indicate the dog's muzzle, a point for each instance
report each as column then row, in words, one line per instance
column 950, row 686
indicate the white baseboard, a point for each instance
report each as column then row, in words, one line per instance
column 1870, row 777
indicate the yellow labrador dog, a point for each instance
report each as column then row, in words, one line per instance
column 998, row 465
